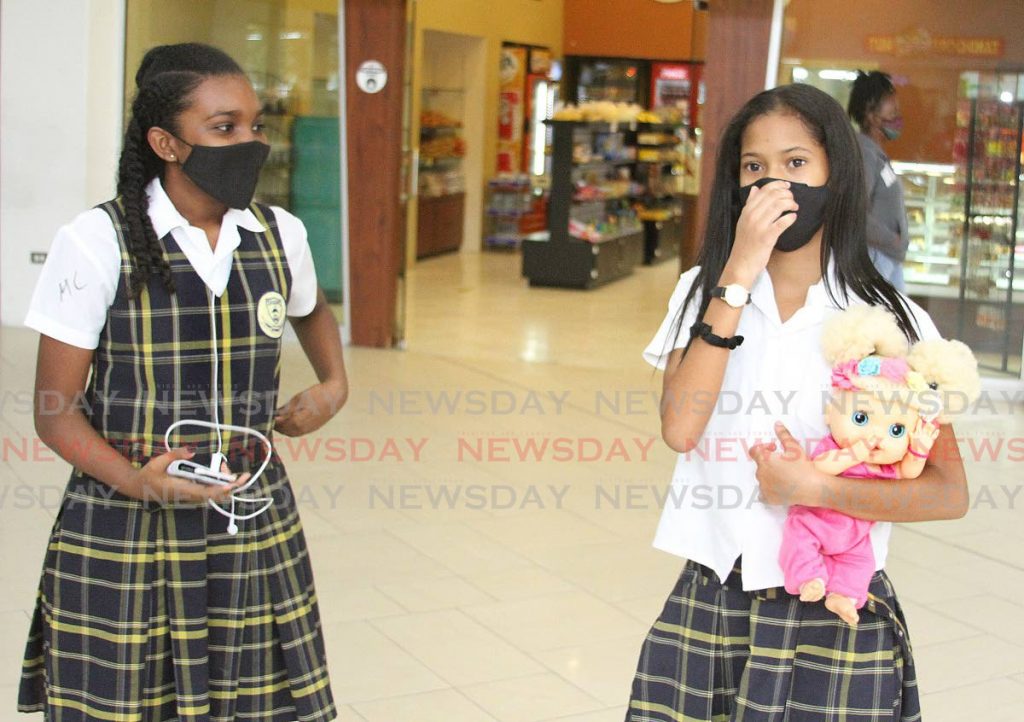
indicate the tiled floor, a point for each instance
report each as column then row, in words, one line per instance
column 468, row 572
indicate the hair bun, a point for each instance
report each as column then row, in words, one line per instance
column 862, row 331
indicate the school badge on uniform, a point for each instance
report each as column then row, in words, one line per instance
column 270, row 312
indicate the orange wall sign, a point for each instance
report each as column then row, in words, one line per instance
column 920, row 41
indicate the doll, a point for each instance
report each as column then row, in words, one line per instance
column 887, row 404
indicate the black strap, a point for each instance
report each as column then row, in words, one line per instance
column 703, row 330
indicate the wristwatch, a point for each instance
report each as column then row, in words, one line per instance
column 734, row 294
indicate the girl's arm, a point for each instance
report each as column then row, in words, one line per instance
column 310, row 409
column 692, row 383
column 62, row 371
column 940, row 492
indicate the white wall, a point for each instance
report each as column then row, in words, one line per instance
column 61, row 100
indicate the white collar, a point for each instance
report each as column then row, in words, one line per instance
column 165, row 217
column 762, row 295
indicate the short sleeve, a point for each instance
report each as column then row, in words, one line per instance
column 302, row 295
column 666, row 339
column 78, row 282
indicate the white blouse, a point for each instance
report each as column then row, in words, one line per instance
column 79, row 278
column 712, row 514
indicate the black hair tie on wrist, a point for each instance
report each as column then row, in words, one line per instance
column 703, row 330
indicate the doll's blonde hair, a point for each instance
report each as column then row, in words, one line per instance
column 868, row 351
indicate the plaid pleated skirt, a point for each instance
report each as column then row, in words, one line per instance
column 149, row 614
column 717, row 653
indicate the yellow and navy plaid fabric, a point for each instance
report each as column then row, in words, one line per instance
column 148, row 613
column 719, row 654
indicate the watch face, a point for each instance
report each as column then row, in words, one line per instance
column 735, row 296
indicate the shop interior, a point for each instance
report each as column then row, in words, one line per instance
column 560, row 150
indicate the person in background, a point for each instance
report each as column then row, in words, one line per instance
column 876, row 111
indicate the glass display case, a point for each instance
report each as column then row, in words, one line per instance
column 987, row 152
column 934, row 219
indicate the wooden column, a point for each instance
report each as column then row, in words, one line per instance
column 374, row 30
column 737, row 52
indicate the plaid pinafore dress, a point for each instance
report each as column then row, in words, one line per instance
column 148, row 613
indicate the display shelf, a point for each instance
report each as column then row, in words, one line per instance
column 987, row 150
column 614, row 237
column 660, row 173
column 515, row 209
column 441, row 182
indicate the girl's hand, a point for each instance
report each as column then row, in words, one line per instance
column 758, row 229
column 153, row 483
column 924, row 435
column 787, row 476
column 310, row 409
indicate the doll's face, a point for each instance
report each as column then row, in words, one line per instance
column 883, row 423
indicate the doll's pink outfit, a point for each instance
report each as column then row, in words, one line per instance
column 829, row 545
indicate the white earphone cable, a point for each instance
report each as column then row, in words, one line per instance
column 219, row 428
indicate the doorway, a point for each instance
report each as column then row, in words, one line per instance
column 448, row 132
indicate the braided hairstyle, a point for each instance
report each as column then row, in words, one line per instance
column 868, row 92
column 164, row 83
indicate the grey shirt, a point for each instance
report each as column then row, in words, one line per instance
column 887, row 213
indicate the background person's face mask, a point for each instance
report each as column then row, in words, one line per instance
column 809, row 218
column 227, row 172
column 892, row 129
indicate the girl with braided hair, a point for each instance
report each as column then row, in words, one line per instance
column 161, row 314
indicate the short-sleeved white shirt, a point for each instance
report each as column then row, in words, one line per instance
column 79, row 279
column 779, row 373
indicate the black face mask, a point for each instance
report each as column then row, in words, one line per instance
column 227, row 172
column 809, row 218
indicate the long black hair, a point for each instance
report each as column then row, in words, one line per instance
column 867, row 93
column 164, row 82
column 843, row 238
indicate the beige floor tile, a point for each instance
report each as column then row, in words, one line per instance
column 922, row 584
column 366, row 665
column 431, row 595
column 937, row 623
column 13, row 628
column 347, row 714
column 613, row 571
column 558, row 620
column 520, row 583
column 986, row 576
column 373, row 558
column 549, row 528
column 459, row 548
column 1009, row 544
column 457, row 648
column 963, row 662
column 612, row 714
column 343, row 600
column 9, row 699
column 995, row 615
column 527, row 699
column 441, row 706
column 604, row 670
column 645, row 609
column 997, row 699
